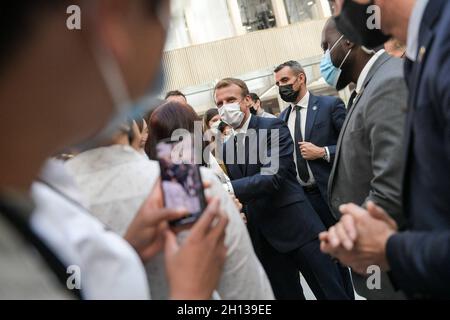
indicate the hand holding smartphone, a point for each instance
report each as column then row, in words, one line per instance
column 181, row 181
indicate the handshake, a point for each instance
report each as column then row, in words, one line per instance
column 359, row 239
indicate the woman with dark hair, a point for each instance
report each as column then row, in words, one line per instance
column 167, row 118
column 211, row 119
column 172, row 116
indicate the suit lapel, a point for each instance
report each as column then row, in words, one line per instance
column 381, row 60
column 253, row 124
column 233, row 169
column 285, row 114
column 313, row 110
column 414, row 74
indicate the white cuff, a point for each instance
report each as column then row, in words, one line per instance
column 328, row 158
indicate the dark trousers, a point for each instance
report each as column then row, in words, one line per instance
column 323, row 210
column 320, row 206
column 322, row 274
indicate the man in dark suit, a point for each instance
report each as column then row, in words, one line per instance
column 418, row 259
column 281, row 222
column 315, row 124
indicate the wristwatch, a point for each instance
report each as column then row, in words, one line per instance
column 326, row 157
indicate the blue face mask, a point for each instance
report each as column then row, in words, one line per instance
column 329, row 72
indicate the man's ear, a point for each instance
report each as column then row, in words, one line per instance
column 248, row 101
column 348, row 44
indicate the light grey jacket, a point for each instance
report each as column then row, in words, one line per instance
column 368, row 163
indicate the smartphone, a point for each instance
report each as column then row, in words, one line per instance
column 181, row 181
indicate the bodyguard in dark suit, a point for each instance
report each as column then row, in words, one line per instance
column 281, row 222
column 315, row 124
column 419, row 258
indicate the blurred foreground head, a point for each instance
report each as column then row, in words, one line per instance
column 373, row 22
column 64, row 85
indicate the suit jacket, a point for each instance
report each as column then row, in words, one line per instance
column 275, row 203
column 326, row 115
column 369, row 164
column 420, row 258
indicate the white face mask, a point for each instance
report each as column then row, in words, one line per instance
column 231, row 114
column 215, row 128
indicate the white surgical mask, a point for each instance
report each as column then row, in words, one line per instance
column 231, row 114
column 215, row 128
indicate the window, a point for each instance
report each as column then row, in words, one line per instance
column 257, row 14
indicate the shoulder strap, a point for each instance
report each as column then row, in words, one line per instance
column 22, row 226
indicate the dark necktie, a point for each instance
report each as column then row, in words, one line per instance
column 352, row 99
column 302, row 167
column 239, row 151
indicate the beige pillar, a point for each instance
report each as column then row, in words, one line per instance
column 235, row 16
column 324, row 8
column 279, row 10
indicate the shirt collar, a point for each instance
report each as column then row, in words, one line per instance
column 304, row 102
column 365, row 71
column 244, row 128
column 412, row 44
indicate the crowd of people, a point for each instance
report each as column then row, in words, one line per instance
column 325, row 190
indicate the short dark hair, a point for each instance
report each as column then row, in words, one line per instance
column 175, row 93
column 295, row 66
column 230, row 81
column 254, row 97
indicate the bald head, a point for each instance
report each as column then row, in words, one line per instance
column 330, row 34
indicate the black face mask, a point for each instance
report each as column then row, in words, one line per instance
column 352, row 23
column 288, row 94
column 253, row 111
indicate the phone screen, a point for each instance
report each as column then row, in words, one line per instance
column 180, row 179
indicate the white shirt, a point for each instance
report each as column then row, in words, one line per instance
column 303, row 103
column 110, row 268
column 412, row 43
column 244, row 127
column 365, row 71
column 116, row 181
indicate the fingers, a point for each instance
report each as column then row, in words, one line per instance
column 144, row 125
column 333, row 237
column 160, row 215
column 135, row 128
column 170, row 245
column 379, row 213
column 344, row 239
column 323, row 236
column 218, row 231
column 205, row 221
column 206, row 184
column 350, row 227
column 352, row 209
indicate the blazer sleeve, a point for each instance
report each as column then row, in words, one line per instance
column 384, row 129
column 419, row 263
column 280, row 148
column 338, row 114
